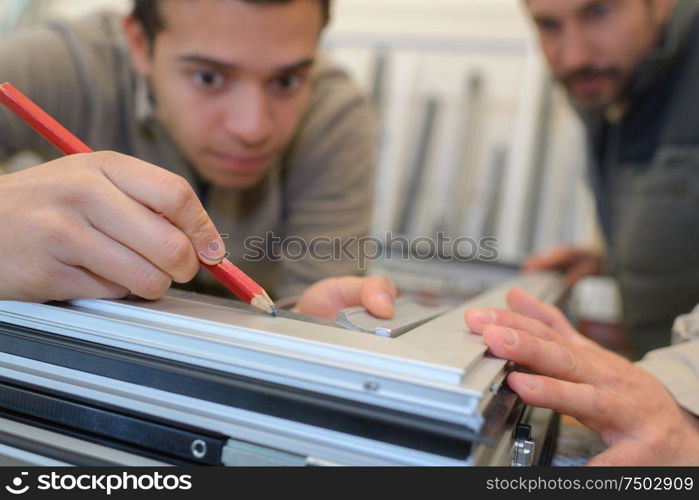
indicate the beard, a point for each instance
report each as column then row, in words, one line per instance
column 594, row 102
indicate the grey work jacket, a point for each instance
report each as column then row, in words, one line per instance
column 678, row 366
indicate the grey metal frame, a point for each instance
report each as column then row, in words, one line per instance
column 437, row 370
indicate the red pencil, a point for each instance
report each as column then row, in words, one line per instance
column 229, row 275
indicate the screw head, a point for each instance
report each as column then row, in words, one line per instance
column 198, row 448
column 371, row 386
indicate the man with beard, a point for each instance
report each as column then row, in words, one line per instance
column 631, row 69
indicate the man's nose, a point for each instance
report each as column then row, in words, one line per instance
column 248, row 117
column 574, row 52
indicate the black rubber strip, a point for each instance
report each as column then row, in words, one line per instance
column 163, row 440
column 548, row 449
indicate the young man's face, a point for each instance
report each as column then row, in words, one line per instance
column 231, row 80
column 594, row 46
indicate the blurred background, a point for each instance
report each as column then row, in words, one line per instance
column 473, row 131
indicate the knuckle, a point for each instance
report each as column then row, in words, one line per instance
column 79, row 184
column 113, row 291
column 80, row 192
column 188, row 272
column 103, row 161
column 61, row 234
column 598, row 405
column 152, row 284
column 106, row 157
column 613, row 378
column 47, row 276
column 56, row 281
column 55, row 234
column 176, row 253
column 501, row 317
column 657, row 437
column 569, row 362
column 530, row 345
column 180, row 193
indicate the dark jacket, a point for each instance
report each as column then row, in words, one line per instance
column 644, row 171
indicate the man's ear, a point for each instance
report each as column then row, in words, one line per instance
column 138, row 43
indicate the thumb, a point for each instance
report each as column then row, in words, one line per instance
column 327, row 297
column 378, row 295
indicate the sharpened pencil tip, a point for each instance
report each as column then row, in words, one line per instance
column 264, row 303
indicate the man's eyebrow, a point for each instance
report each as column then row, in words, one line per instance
column 226, row 66
column 591, row 5
column 297, row 66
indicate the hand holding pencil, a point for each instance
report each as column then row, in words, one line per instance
column 89, row 250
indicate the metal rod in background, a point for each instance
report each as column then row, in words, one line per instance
column 465, row 170
column 493, row 191
column 378, row 81
column 534, row 187
column 407, row 207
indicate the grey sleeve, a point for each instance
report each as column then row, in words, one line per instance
column 329, row 183
column 40, row 64
column 677, row 366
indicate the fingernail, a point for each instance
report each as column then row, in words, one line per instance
column 485, row 316
column 386, row 300
column 214, row 252
column 509, row 336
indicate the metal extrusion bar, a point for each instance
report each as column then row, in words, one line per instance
column 23, row 444
column 179, row 361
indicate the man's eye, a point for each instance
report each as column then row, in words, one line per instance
column 287, row 84
column 548, row 25
column 599, row 10
column 208, row 80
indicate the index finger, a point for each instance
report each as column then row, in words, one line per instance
column 527, row 305
column 478, row 319
column 168, row 194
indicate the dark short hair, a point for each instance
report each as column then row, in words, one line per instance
column 146, row 12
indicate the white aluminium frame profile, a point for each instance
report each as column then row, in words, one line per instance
column 439, row 370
